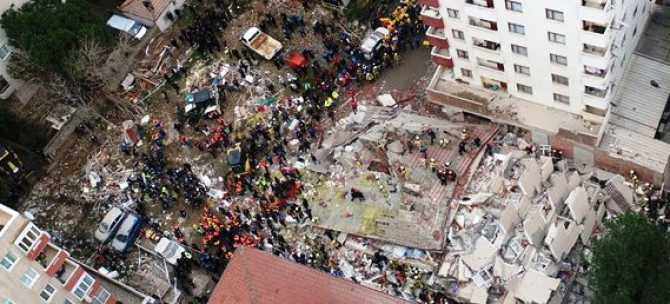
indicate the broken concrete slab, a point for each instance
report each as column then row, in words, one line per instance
column 534, row 227
column 546, row 166
column 482, row 255
column 533, row 287
column 578, row 204
column 561, row 237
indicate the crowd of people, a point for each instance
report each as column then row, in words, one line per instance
column 262, row 197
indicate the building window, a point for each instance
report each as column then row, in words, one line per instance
column 4, row 84
column 462, row 54
column 554, row 15
column 452, row 13
column 524, row 89
column 558, row 59
column 559, row 79
column 29, row 277
column 47, row 293
column 29, row 236
column 101, row 297
column 83, row 286
column 458, row 34
column 8, row 261
column 466, row 73
column 635, row 12
column 635, row 31
column 4, row 52
column 554, row 37
column 522, row 69
column 561, row 99
column 517, row 28
column 514, row 6
column 520, row 50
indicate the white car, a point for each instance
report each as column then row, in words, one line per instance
column 170, row 250
column 129, row 26
column 373, row 41
column 261, row 43
column 109, row 224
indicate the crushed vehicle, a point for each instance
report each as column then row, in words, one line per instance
column 127, row 233
column 170, row 250
column 372, row 42
column 109, row 224
column 261, row 43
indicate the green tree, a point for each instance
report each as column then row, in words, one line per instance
column 50, row 32
column 631, row 263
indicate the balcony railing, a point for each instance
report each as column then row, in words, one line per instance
column 595, row 4
column 591, row 91
column 594, row 27
column 489, row 25
column 594, row 50
column 482, row 3
column 490, row 64
column 490, row 45
column 595, row 71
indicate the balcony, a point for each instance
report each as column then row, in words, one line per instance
column 433, row 3
column 441, row 57
column 597, row 4
column 437, row 37
column 486, row 44
column 594, row 27
column 484, row 24
column 482, row 3
column 595, row 92
column 64, row 273
column 594, row 50
column 493, row 84
column 47, row 256
column 431, row 17
column 594, row 12
column 596, row 72
column 490, row 64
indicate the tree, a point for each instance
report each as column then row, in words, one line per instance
column 50, row 32
column 631, row 263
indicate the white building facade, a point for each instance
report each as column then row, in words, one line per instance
column 567, row 54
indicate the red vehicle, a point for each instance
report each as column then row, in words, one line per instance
column 296, row 60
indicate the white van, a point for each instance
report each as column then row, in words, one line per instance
column 132, row 27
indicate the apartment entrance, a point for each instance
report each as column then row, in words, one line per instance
column 494, row 85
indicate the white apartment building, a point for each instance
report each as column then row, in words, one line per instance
column 568, row 54
column 9, row 85
column 34, row 270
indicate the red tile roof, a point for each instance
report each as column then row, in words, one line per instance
column 137, row 8
column 258, row 277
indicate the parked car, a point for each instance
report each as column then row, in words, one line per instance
column 127, row 233
column 261, row 43
column 131, row 27
column 373, row 42
column 109, row 224
column 170, row 250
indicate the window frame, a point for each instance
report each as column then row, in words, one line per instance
column 458, row 34
column 567, row 102
column 552, row 14
column 516, row 47
column 453, row 13
column 51, row 295
column 555, row 78
column 8, row 50
column 510, row 5
column 557, row 62
column 79, row 284
column 515, row 26
column 468, row 74
column 33, row 279
column 31, row 228
column 519, row 69
column 556, row 38
column 520, row 85
column 13, row 263
column 460, row 52
column 95, row 299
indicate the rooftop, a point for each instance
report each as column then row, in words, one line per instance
column 150, row 11
column 258, row 277
column 655, row 41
